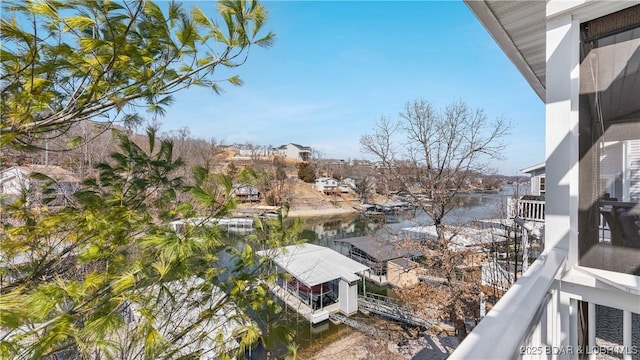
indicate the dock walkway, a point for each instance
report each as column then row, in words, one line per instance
column 386, row 307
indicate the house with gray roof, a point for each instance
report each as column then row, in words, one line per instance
column 295, row 151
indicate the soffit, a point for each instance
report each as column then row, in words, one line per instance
column 519, row 28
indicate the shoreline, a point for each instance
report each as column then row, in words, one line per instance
column 307, row 213
column 295, row 212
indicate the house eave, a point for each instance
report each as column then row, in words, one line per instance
column 533, row 168
column 507, row 40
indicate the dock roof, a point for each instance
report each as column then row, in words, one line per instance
column 461, row 237
column 380, row 249
column 313, row 265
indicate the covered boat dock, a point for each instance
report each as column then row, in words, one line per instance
column 375, row 252
column 322, row 280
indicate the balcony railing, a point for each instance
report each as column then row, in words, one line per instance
column 529, row 210
column 520, row 317
column 495, row 276
column 538, row 317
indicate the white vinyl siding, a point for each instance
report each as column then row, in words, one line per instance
column 611, row 170
column 633, row 158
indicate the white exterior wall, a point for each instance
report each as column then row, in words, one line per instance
column 349, row 182
column 324, row 184
column 562, row 94
column 562, row 118
column 291, row 151
column 611, row 169
column 562, row 156
column 556, row 283
column 535, row 185
column 348, row 297
column 561, row 168
column 633, row 161
column 13, row 181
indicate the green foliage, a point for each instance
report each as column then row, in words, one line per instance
column 111, row 277
column 306, row 172
column 271, row 234
column 67, row 61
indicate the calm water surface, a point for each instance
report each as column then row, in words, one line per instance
column 324, row 231
column 468, row 207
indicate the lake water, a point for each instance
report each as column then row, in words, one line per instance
column 324, row 231
column 468, row 207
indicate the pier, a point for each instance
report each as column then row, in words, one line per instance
column 241, row 225
column 385, row 307
column 388, row 308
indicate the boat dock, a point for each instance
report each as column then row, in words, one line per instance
column 302, row 308
column 230, row 224
column 237, row 225
column 322, row 280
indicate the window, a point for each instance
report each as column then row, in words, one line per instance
column 609, row 143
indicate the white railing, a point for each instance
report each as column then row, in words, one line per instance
column 529, row 210
column 495, row 276
column 520, row 317
column 538, row 318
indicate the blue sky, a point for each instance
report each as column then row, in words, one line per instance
column 336, row 67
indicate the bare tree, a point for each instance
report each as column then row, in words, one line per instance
column 435, row 153
column 274, row 182
column 363, row 187
column 195, row 150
